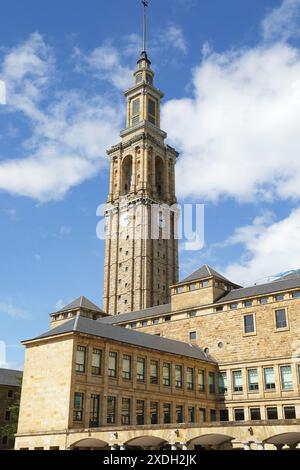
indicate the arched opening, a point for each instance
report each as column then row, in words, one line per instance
column 159, row 176
column 290, row 439
column 211, row 441
column 126, row 174
column 90, row 444
column 146, row 443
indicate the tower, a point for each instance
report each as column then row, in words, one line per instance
column 141, row 259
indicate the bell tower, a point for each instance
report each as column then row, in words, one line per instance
column 141, row 259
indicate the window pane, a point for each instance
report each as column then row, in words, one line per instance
column 239, row 414
column 212, row 383
column 80, row 358
column 95, row 411
column 237, row 381
column 179, row 414
column 223, row 383
column 78, row 406
column 154, row 372
column 286, row 377
column 125, row 412
column 253, row 379
column 281, row 318
column 201, row 380
column 154, row 412
column 269, row 378
column 255, row 414
column 272, row 413
column 167, row 374
column 140, row 412
column 224, row 415
column 190, row 378
column 112, row 364
column 191, row 414
column 96, row 362
column 249, row 323
column 167, row 413
column 111, row 410
column 135, row 107
column 141, row 366
column 178, row 376
column 289, row 412
column 152, row 107
column 126, row 373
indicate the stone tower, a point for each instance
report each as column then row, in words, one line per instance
column 141, row 260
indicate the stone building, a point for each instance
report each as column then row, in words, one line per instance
column 201, row 363
column 10, row 388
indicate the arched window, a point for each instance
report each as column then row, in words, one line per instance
column 159, row 176
column 126, row 174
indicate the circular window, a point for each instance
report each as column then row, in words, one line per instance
column 220, row 345
column 206, row 351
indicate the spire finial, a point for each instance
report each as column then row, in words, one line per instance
column 145, row 3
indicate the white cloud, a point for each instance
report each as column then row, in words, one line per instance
column 8, row 308
column 2, row 92
column 69, row 137
column 271, row 247
column 239, row 133
column 173, row 37
column 64, row 230
column 282, row 22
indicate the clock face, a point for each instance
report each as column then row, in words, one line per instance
column 124, row 219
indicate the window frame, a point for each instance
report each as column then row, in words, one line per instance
column 81, row 367
column 281, row 328
column 249, row 333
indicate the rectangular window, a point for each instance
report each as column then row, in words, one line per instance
column 279, row 297
column 239, row 414
column 111, row 410
column 193, row 287
column 190, row 378
column 112, row 365
column 167, row 374
column 155, row 321
column 237, row 381
column 233, row 306
column 125, row 411
column 135, row 111
column 248, row 303
column 296, row 295
column 167, row 413
column 179, row 414
column 168, row 318
column 201, row 380
column 281, row 321
column 80, row 359
column 178, row 376
column 192, row 314
column 193, row 335
column 133, row 325
column 78, row 406
column 141, row 369
column 213, row 416
column 263, row 300
column 286, row 377
column 205, row 284
column 255, row 414
column 272, row 413
column 180, row 290
column 95, row 411
column 253, row 380
column 224, row 415
column 202, row 413
column 289, row 412
column 269, row 378
column 219, row 308
column 223, row 388
column 191, row 414
column 126, row 370
column 7, row 415
column 249, row 324
column 154, row 372
column 145, row 323
column 140, row 412
column 212, row 383
column 151, row 111
column 154, row 412
column 97, row 362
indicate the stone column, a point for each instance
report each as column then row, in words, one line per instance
column 119, row 186
column 133, row 176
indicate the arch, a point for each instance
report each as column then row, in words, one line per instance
column 126, row 174
column 211, row 440
column 159, row 175
column 146, row 442
column 89, row 444
column 287, row 438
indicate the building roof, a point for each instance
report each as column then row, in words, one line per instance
column 11, row 378
column 138, row 315
column 275, row 286
column 81, row 302
column 204, row 272
column 124, row 335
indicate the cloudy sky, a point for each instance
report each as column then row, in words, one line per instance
column 231, row 74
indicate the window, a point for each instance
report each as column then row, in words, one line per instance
column 249, row 324
column 80, row 359
column 7, row 415
column 205, row 284
column 255, row 414
column 269, row 378
column 139, row 78
column 154, row 372
column 224, row 415
column 190, row 378
column 239, row 414
column 212, row 383
column 202, row 415
column 167, row 374
column 179, row 414
column 4, row 440
column 192, row 314
column 145, row 323
column 286, row 377
column 201, row 380
column 279, row 297
column 223, row 388
column 180, row 290
column 141, row 369
column 213, row 416
column 111, row 410
column 151, row 111
column 233, row 306
column 125, row 412
column 95, row 411
column 296, row 295
column 237, row 381
column 112, row 365
column 272, row 413
column 168, row 318
column 140, row 412
column 178, row 376
column 248, row 303
column 167, row 413
column 193, row 335
column 135, row 111
column 280, row 318
column 155, row 321
column 154, row 412
column 78, row 406
column 126, row 369
column 191, row 414
column 149, row 78
column 96, row 361
column 263, row 301
column 10, row 394
column 253, row 380
column 289, row 412
column 219, row 308
column 134, row 324
column 193, row 287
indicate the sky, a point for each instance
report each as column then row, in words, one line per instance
column 231, row 76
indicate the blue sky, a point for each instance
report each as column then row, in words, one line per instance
column 231, row 74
